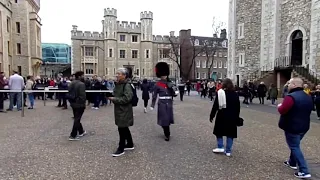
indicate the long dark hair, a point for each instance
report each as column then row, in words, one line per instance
column 227, row 85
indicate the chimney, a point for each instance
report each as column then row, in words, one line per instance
column 171, row 33
column 223, row 34
column 215, row 35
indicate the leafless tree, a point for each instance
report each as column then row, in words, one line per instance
column 211, row 46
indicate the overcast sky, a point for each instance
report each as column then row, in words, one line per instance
column 58, row 16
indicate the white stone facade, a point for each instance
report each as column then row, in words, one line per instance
column 279, row 19
column 120, row 44
column 20, row 37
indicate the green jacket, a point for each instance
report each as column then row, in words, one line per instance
column 79, row 89
column 273, row 92
column 123, row 112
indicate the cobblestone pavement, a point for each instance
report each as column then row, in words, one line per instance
column 36, row 146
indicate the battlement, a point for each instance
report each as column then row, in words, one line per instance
column 146, row 15
column 110, row 12
column 125, row 26
column 164, row 39
column 76, row 34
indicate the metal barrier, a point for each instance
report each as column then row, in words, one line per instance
column 46, row 90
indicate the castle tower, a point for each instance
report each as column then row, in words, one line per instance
column 110, row 24
column 146, row 19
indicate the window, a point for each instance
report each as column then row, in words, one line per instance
column 134, row 38
column 224, row 43
column 225, row 65
column 18, row 27
column 220, row 54
column 214, row 64
column 198, row 75
column 220, row 64
column 134, row 53
column 88, row 51
column 8, row 24
column 164, row 53
column 122, row 38
column 9, row 48
column 143, row 71
column 147, row 53
column 19, row 69
column 198, row 64
column 204, row 75
column 204, row 64
column 89, row 71
column 18, row 48
column 196, row 42
column 241, row 31
column 122, row 53
column 16, row 1
column 107, row 71
column 110, row 52
column 138, row 72
column 241, row 59
column 114, row 71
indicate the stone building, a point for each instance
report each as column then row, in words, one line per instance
column 278, row 36
column 20, row 36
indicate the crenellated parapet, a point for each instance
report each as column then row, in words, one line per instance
column 146, row 15
column 76, row 34
column 164, row 39
column 110, row 12
column 125, row 26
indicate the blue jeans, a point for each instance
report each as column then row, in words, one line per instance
column 296, row 156
column 273, row 100
column 31, row 99
column 228, row 145
column 19, row 100
column 97, row 100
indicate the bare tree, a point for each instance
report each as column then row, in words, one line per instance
column 211, row 46
column 192, row 50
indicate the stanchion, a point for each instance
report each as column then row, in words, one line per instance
column 44, row 96
column 22, row 104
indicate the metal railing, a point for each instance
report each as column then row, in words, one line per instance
column 46, row 90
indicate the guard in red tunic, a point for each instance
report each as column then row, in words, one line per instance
column 164, row 89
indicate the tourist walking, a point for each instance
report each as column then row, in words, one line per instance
column 295, row 112
column 30, row 86
column 77, row 99
column 123, row 112
column 16, row 83
column 164, row 88
column 262, row 90
column 226, row 110
column 3, row 83
column 145, row 88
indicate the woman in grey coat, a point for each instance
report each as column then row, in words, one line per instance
column 163, row 88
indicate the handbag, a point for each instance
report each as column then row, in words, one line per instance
column 240, row 122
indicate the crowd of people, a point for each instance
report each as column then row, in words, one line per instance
column 294, row 111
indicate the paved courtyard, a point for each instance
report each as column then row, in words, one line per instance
column 37, row 146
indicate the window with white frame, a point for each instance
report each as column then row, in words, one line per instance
column 88, row 51
column 134, row 54
column 134, row 38
column 198, row 75
column 225, row 65
column 220, row 64
column 224, row 43
column 147, row 53
column 110, row 52
column 122, row 53
column 122, row 38
column 107, row 71
column 196, row 42
column 204, row 64
column 204, row 75
column 241, row 59
column 214, row 64
column 198, row 64
column 89, row 71
column 240, row 30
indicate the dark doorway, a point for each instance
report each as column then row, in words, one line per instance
column 238, row 80
column 296, row 48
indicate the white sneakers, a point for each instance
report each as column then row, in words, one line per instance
column 221, row 150
column 145, row 110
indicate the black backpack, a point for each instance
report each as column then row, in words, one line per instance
column 135, row 99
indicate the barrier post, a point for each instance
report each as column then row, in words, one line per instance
column 22, row 104
column 44, row 96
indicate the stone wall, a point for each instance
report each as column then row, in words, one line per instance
column 315, row 36
column 249, row 13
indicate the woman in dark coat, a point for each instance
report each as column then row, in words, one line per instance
column 262, row 90
column 145, row 88
column 227, row 117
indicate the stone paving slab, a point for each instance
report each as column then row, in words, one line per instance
column 36, row 146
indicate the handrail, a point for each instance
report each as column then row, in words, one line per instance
column 46, row 90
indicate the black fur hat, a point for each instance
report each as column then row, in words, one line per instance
column 162, row 69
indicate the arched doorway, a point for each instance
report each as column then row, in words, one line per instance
column 296, row 48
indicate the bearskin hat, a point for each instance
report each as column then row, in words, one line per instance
column 162, row 69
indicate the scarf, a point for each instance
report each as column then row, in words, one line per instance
column 222, row 99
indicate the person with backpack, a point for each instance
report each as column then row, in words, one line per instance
column 124, row 99
column 164, row 88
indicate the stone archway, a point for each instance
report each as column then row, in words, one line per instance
column 298, row 38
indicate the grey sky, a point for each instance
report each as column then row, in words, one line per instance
column 58, row 16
